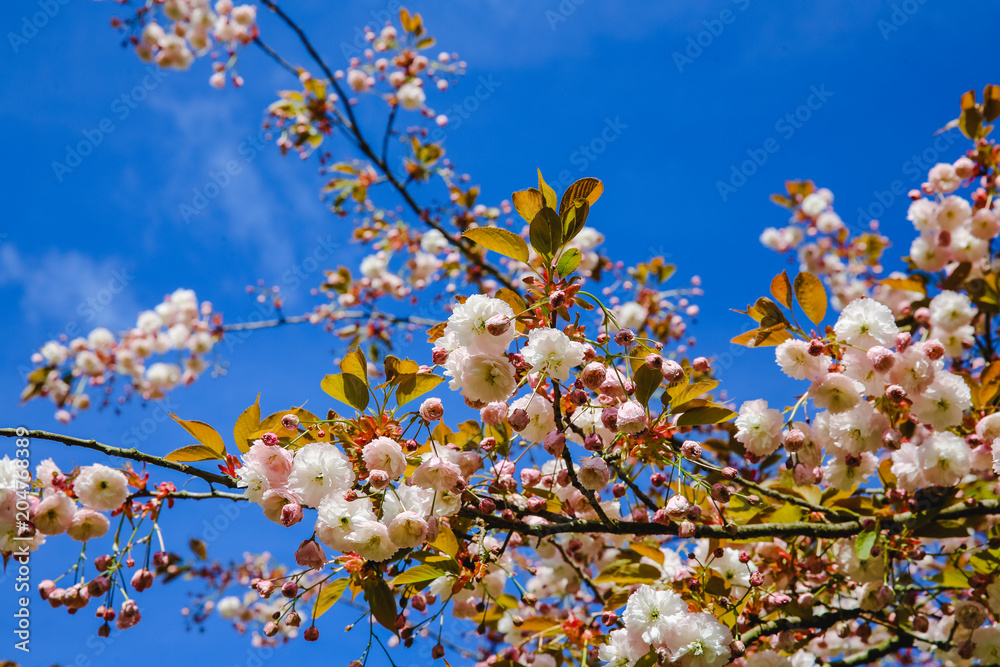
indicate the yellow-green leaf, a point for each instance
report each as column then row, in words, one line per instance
column 811, row 295
column 503, row 241
column 528, row 203
column 546, row 232
column 417, row 574
column 693, row 391
column 347, row 388
column 329, row 595
column 194, row 453
column 246, row 425
column 204, row 434
column 547, row 192
column 355, row 364
column 382, row 603
column 647, row 381
column 568, row 262
column 413, row 386
column 585, row 188
column 709, row 414
column 446, row 541
column 396, row 368
column 781, row 289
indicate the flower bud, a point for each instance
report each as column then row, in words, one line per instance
column 265, row 588
column 290, row 422
column 701, row 364
column 593, row 442
column 530, row 477
column 933, row 349
column 756, row 578
column 289, row 589
column 437, row 652
column 816, row 347
column 270, row 629
column 291, row 514
column 685, row 530
column 269, row 439
column 439, row 356
column 678, row 506
column 594, row 474
column 311, row 634
column 309, row 554
column 671, row 371
column 895, row 393
column 631, row 417
column 721, row 493
column 142, row 580
column 881, row 358
column 691, row 450
column 554, row 443
column 519, row 419
column 625, row 337
column 661, row 517
column 609, row 618
column 557, row 299
column 45, row 588
column 903, row 341
column 654, row 361
column 498, row 325
column 379, row 479
column 794, row 439
column 729, row 472
column 431, row 409
column 493, row 414
column 593, row 375
column 891, row 439
column 487, row 506
column 609, row 417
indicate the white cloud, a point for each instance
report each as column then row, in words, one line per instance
column 70, row 288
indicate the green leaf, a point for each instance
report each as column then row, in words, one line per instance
column 546, row 232
column 864, row 542
column 413, row 386
column 246, row 426
column 355, row 364
column 204, row 434
column 194, row 453
column 347, row 388
column 647, row 381
column 415, row 575
column 329, row 595
column 503, row 241
column 811, row 295
column 568, row 262
column 709, row 414
column 382, row 603
column 547, row 192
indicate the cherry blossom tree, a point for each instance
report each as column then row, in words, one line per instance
column 554, row 468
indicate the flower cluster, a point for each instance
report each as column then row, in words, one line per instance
column 195, row 28
column 68, row 368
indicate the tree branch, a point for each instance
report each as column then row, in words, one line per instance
column 746, row 532
column 132, row 454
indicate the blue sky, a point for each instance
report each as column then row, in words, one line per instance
column 888, row 75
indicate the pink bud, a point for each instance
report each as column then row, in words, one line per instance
column 269, row 439
column 498, row 325
column 311, row 634
column 794, row 439
column 431, row 409
column 289, row 589
column 554, row 443
column 625, row 337
column 685, row 530
column 933, row 349
column 881, row 358
column 593, row 375
column 493, row 414
column 701, row 364
column 691, row 450
column 609, row 417
column 654, row 361
column 672, row 371
column 439, row 356
column 519, row 419
column 291, row 514
column 142, row 580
